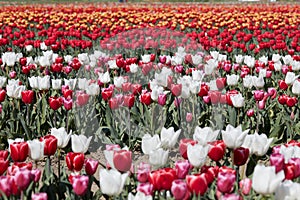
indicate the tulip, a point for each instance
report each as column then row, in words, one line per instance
column 162, row 179
column 205, row 135
column 250, row 113
column 75, row 161
column 232, row 79
column 240, row 156
column 161, row 100
column 221, row 83
column 39, row 196
column 3, row 165
column 119, row 159
column 91, row 166
column 145, row 98
column 257, row 144
column 82, row 99
column 55, row 102
column 139, row 196
column 50, row 144
column 238, row 100
column 176, row 89
column 129, row 100
column 2, row 95
column 36, row 174
column 197, row 184
column 19, row 151
column 80, row 143
column 150, row 143
column 3, row 154
column 265, row 180
column 68, row 103
column 277, row 160
column 245, row 186
column 189, row 117
column 231, row 197
column 197, row 154
column 182, row 168
column 14, row 90
column 214, row 96
column 183, row 146
column 225, row 181
column 143, row 172
column 234, row 137
column 62, row 136
column 145, row 188
column 290, row 78
column 158, row 157
column 80, row 185
column 23, row 177
column 259, row 95
column 36, row 149
column 179, row 189
column 112, row 181
column 217, row 150
column 169, row 137
column 27, row 96
column 287, row 190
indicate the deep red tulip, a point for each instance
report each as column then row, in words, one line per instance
column 283, row 85
column 3, row 165
column 50, row 144
column 203, row 90
column 3, row 154
column 91, row 166
column 136, row 88
column 197, row 184
column 2, row 95
column 106, row 94
column 27, row 96
column 55, row 102
column 228, row 96
column 145, row 98
column 162, row 179
column 75, row 161
column 19, row 151
column 240, row 156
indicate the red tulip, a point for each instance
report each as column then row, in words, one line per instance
column 203, row 90
column 67, row 93
column 282, row 99
column 80, row 184
column 217, row 150
column 56, row 67
column 136, row 88
column 221, row 83
column 228, row 96
column 3, row 154
column 27, row 96
column 283, row 85
column 145, row 98
column 113, row 103
column 122, row 160
column 106, row 94
column 2, row 95
column 55, row 102
column 245, row 186
column 225, row 181
column 91, row 166
column 23, row 61
column 129, row 100
column 120, row 62
column 82, row 99
column 68, row 103
column 19, row 151
column 240, row 156
column 197, row 184
column 3, row 165
column 75, row 161
column 126, row 87
column 214, row 96
column 162, row 179
column 50, row 144
column 291, row 101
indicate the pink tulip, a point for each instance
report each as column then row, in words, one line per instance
column 250, row 112
column 179, row 189
column 122, row 160
column 245, row 186
column 277, row 160
column 259, row 95
column 182, row 168
column 272, row 93
column 143, row 172
column 146, row 188
column 91, row 166
column 39, row 196
column 261, row 104
column 206, row 99
column 80, row 184
column 5, row 185
column 231, row 197
column 36, row 173
column 225, row 181
column 23, row 177
column 162, row 98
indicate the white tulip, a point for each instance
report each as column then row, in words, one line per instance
column 247, row 81
column 264, row 59
column 29, row 48
column 197, row 75
column 287, row 59
column 158, row 157
column 43, row 82
column 239, row 59
column 93, row 89
column 234, row 137
column 150, row 143
column 288, row 190
column 169, row 137
column 9, row 58
column 68, row 58
column 215, row 54
column 222, row 57
column 56, row 84
column 290, row 78
column 162, row 77
column 238, row 100
column 14, row 90
column 194, row 87
column 156, row 91
column 80, row 143
column 196, row 59
column 36, row 149
column 118, row 81
column 2, row 81
column 276, row 58
column 133, row 68
column 258, row 82
column 71, row 83
column 43, row 46
column 257, row 144
column 277, row 66
column 232, row 79
column 82, row 83
column 146, row 58
column 104, row 77
column 265, row 180
column 197, row 154
column 296, row 88
column 62, row 136
column 205, row 135
column 112, row 181
column 176, row 60
column 83, row 58
column 249, row 61
column 210, row 67
column 290, row 152
column 112, row 64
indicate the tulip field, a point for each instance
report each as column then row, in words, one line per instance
column 149, row 101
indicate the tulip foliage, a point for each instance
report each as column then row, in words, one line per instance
column 182, row 101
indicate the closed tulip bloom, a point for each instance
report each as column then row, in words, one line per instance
column 238, row 100
column 179, row 189
column 36, row 149
column 182, row 168
column 277, row 160
column 265, row 180
column 234, row 137
column 80, row 185
column 162, row 179
column 146, row 188
column 62, row 136
column 258, row 144
column 3, row 165
column 245, row 185
column 290, row 78
column 143, row 172
column 39, row 196
column 205, row 135
column 240, row 156
column 50, row 144
column 225, row 181
column 169, row 137
column 296, row 87
column 158, row 157
column 23, row 178
column 68, row 103
column 112, row 181
column 91, row 166
column 80, row 143
column 75, row 161
column 55, row 102
column 27, row 96
column 197, row 184
column 231, row 197
column 197, row 154
column 150, row 143
column 139, row 196
column 19, row 151
column 217, row 150
column 232, row 79
column 176, row 89
column 183, row 146
column 145, row 98
column 56, row 84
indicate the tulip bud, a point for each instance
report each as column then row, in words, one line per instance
column 162, row 98
column 189, row 117
column 240, row 156
column 91, row 166
column 245, row 186
column 225, row 181
column 250, row 112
